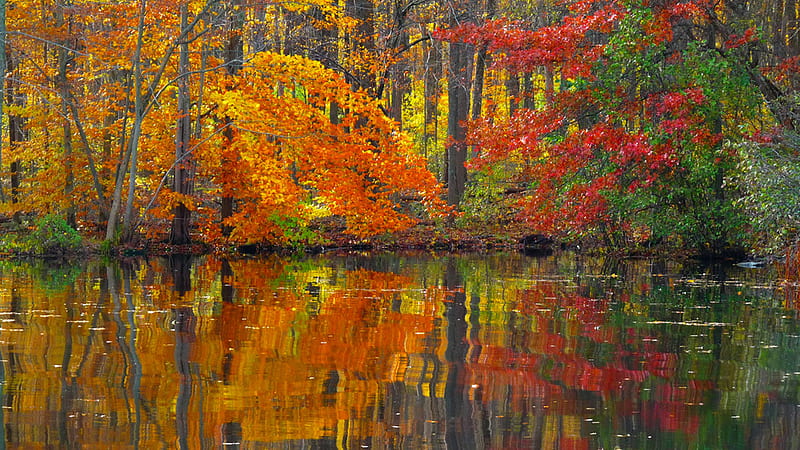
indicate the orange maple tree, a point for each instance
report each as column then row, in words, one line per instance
column 264, row 132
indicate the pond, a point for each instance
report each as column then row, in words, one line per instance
column 398, row 351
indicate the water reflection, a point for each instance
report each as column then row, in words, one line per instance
column 397, row 351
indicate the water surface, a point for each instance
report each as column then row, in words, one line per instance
column 398, row 351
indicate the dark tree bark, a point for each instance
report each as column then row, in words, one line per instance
column 400, row 83
column 66, row 138
column 234, row 59
column 431, row 79
column 362, row 39
column 184, row 167
column 512, row 91
column 458, row 111
column 460, row 433
column 481, row 62
column 458, row 90
column 3, row 74
column 16, row 131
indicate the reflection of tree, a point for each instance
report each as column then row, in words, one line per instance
column 69, row 386
column 231, row 314
column 460, row 433
column 127, row 343
column 480, row 352
column 184, row 322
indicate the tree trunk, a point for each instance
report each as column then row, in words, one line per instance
column 142, row 100
column 458, row 111
column 512, row 92
column 131, row 155
column 184, row 167
column 400, row 83
column 363, row 39
column 528, row 94
column 481, row 62
column 477, row 90
column 549, row 85
column 234, row 59
column 433, row 73
column 16, row 133
column 3, row 37
column 66, row 138
column 792, row 28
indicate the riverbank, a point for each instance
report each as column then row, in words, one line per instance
column 424, row 236
column 51, row 237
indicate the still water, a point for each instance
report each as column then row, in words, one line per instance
column 398, row 351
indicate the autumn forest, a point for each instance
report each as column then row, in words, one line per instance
column 626, row 123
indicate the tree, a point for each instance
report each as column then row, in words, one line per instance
column 458, row 88
column 184, row 164
column 629, row 148
column 295, row 164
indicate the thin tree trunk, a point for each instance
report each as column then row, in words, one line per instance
column 138, row 118
column 66, row 139
column 142, row 103
column 16, row 133
column 399, row 85
column 3, row 36
column 131, row 155
column 363, row 39
column 433, row 73
column 480, row 66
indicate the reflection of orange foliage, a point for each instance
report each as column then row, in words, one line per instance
column 300, row 351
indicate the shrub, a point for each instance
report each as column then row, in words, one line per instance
column 52, row 235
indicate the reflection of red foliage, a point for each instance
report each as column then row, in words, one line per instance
column 671, row 416
column 661, row 364
column 494, row 383
column 573, row 352
column 691, row 394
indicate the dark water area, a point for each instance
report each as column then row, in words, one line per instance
column 491, row 351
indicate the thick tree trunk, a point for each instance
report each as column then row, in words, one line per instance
column 528, row 93
column 512, row 92
column 458, row 111
column 234, row 59
column 549, row 85
column 184, row 168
